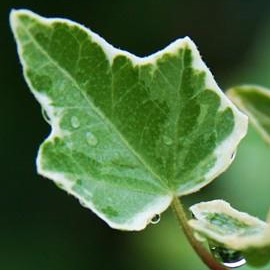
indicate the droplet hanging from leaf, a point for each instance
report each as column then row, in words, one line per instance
column 227, row 257
column 156, row 219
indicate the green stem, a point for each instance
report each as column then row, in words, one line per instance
column 205, row 256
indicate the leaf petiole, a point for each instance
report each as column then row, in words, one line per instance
column 202, row 252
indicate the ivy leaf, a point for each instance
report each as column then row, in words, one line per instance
column 128, row 133
column 230, row 229
column 255, row 102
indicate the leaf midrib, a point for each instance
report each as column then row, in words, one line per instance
column 96, row 110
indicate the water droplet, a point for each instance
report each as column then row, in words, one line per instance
column 45, row 116
column 167, row 140
column 155, row 219
column 227, row 257
column 233, row 155
column 75, row 122
column 60, row 185
column 83, row 203
column 91, row 139
column 69, row 144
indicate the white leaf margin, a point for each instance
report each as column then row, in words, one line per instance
column 223, row 152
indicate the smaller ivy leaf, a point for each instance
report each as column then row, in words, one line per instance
column 255, row 102
column 228, row 228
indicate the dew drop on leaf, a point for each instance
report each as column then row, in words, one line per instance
column 82, row 203
column 60, row 185
column 227, row 257
column 167, row 140
column 69, row 144
column 75, row 122
column 155, row 219
column 233, row 155
column 45, row 115
column 91, row 139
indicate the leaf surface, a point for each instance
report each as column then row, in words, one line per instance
column 128, row 133
column 228, row 228
column 255, row 102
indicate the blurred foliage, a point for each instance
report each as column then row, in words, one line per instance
column 41, row 226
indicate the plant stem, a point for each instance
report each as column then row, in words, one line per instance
column 205, row 256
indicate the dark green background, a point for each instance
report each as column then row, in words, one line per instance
column 43, row 228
